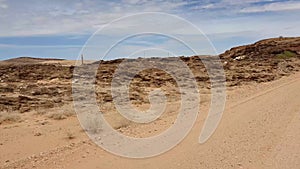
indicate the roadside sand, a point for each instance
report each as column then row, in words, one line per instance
column 259, row 129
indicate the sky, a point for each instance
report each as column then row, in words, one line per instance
column 60, row 29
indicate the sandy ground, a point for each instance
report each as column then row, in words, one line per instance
column 259, row 129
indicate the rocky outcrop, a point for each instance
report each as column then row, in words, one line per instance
column 34, row 85
column 269, row 48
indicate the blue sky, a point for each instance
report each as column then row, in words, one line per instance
column 59, row 29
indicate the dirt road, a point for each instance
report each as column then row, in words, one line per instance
column 260, row 128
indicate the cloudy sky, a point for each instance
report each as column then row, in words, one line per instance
column 59, row 29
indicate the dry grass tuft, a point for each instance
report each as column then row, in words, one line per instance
column 58, row 113
column 70, row 135
column 6, row 116
column 93, row 125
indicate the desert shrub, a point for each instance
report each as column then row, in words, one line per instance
column 6, row 116
column 39, row 112
column 57, row 116
column 122, row 124
column 286, row 54
column 93, row 125
column 60, row 113
column 70, row 135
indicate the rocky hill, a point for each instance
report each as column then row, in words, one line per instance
column 35, row 85
column 28, row 60
column 269, row 48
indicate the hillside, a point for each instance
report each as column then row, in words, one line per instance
column 268, row 48
column 259, row 126
column 46, row 85
column 29, row 60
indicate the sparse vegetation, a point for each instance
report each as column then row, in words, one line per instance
column 93, row 125
column 122, row 124
column 57, row 113
column 286, row 54
column 6, row 116
column 60, row 114
column 70, row 135
column 39, row 112
column 57, row 116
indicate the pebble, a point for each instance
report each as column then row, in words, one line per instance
column 44, row 123
column 38, row 134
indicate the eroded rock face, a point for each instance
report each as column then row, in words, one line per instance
column 34, row 85
column 269, row 48
column 30, row 86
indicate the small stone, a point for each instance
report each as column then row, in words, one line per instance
column 44, row 123
column 38, row 134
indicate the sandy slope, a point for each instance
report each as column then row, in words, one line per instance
column 259, row 129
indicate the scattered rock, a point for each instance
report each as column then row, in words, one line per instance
column 37, row 134
column 44, row 123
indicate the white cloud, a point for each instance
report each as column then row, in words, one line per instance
column 3, row 4
column 276, row 6
column 231, row 5
column 64, row 17
column 78, row 17
column 236, row 2
column 134, row 1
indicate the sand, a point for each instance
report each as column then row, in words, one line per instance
column 259, row 129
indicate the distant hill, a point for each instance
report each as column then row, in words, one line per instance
column 282, row 47
column 26, row 60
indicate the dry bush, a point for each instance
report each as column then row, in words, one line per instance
column 122, row 124
column 70, row 135
column 39, row 112
column 116, row 120
column 6, row 116
column 92, row 125
column 58, row 113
